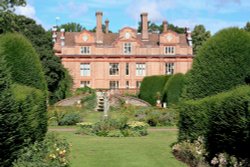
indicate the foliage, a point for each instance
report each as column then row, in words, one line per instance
column 70, row 119
column 225, row 160
column 192, row 154
column 10, row 4
column 173, row 89
column 114, row 128
column 153, row 27
column 72, row 27
column 83, row 90
column 221, row 64
column 31, row 104
column 222, row 119
column 53, row 151
column 9, row 118
column 247, row 27
column 103, row 29
column 23, row 61
column 89, row 101
column 150, row 86
column 199, row 37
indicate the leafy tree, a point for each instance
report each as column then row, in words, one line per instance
column 154, row 27
column 10, row 4
column 72, row 27
column 9, row 118
column 103, row 29
column 221, row 64
column 247, row 27
column 199, row 36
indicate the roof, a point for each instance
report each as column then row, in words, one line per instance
column 108, row 39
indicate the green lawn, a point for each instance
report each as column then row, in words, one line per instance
column 151, row 151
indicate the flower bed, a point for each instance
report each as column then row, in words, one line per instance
column 114, row 128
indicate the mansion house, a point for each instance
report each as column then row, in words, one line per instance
column 105, row 60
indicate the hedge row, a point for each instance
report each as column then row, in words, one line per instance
column 150, row 87
column 173, row 89
column 220, row 65
column 223, row 119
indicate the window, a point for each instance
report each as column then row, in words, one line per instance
column 114, row 69
column 127, row 48
column 85, row 69
column 85, row 83
column 114, row 84
column 127, row 69
column 138, row 84
column 140, row 69
column 169, row 68
column 169, row 50
column 85, row 50
column 127, row 84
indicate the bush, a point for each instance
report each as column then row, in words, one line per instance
column 151, row 87
column 223, row 120
column 53, row 151
column 221, row 64
column 89, row 101
column 70, row 119
column 31, row 103
column 173, row 89
column 84, row 90
column 23, row 61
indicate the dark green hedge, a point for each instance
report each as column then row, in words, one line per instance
column 23, row 61
column 31, row 103
column 221, row 64
column 150, row 86
column 173, row 89
column 223, row 119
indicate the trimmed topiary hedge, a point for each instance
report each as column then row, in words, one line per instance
column 150, row 87
column 221, row 64
column 31, row 103
column 223, row 119
column 173, row 89
column 23, row 61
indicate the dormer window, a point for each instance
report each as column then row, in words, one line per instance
column 169, row 50
column 85, row 50
column 127, row 48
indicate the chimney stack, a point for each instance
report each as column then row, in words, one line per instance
column 99, row 33
column 165, row 26
column 107, row 26
column 189, row 36
column 54, row 33
column 144, row 22
column 62, row 37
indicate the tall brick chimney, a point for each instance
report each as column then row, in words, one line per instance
column 99, row 33
column 165, row 26
column 107, row 26
column 144, row 22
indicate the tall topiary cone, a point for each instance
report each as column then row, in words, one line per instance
column 222, row 63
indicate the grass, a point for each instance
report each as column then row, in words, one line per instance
column 151, row 151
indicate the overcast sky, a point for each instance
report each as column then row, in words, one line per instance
column 214, row 14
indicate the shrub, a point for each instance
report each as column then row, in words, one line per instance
column 89, row 101
column 70, row 119
column 53, row 151
column 84, row 90
column 173, row 89
column 23, row 61
column 221, row 64
column 10, row 138
column 150, row 86
column 223, row 120
column 31, row 103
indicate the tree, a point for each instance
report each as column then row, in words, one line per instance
column 221, row 64
column 10, row 4
column 103, row 29
column 72, row 27
column 247, row 27
column 9, row 118
column 199, row 36
column 154, row 27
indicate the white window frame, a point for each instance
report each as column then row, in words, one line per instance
column 138, row 84
column 84, row 84
column 85, row 50
column 169, row 68
column 85, row 69
column 140, row 69
column 114, row 69
column 127, row 48
column 114, row 84
column 169, row 50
